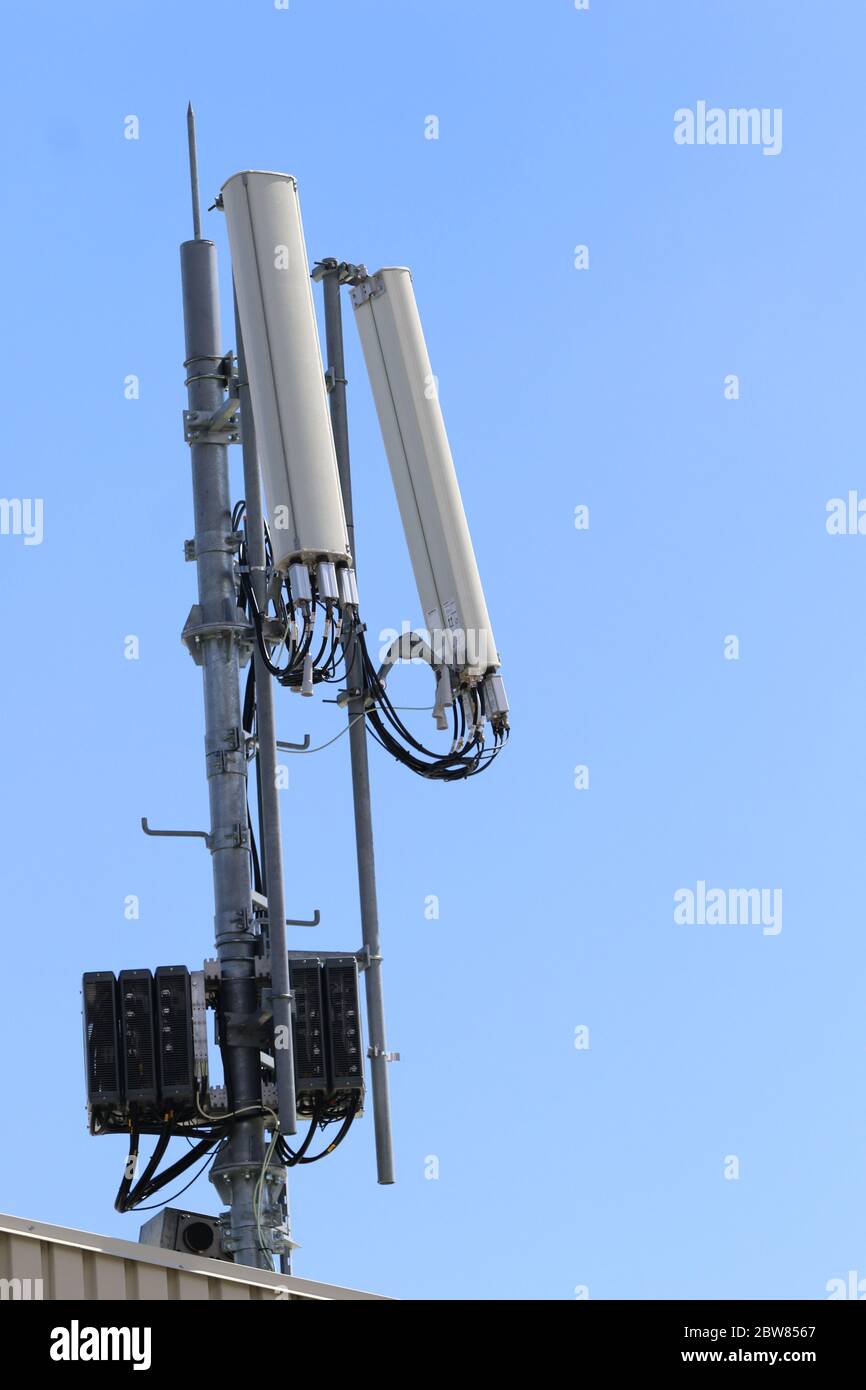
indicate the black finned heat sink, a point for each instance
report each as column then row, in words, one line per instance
column 174, row 1044
column 308, row 1033
column 135, row 989
column 101, row 1042
column 343, row 1014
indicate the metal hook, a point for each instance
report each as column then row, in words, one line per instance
column 298, row 748
column 261, row 904
column 179, row 834
column 295, row 922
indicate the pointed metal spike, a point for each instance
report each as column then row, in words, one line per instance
column 193, row 172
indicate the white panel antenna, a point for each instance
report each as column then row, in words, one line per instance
column 428, row 494
column 281, row 343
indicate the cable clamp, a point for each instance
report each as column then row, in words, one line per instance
column 235, row 836
column 365, row 958
column 213, row 542
column 225, row 753
column 332, row 380
column 225, row 373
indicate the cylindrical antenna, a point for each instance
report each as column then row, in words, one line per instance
column 193, row 173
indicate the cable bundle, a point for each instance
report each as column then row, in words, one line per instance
column 320, row 1120
column 469, row 752
column 301, row 669
column 131, row 1194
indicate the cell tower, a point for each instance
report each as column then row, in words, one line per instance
column 278, row 605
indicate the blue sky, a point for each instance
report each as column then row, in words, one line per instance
column 602, row 1167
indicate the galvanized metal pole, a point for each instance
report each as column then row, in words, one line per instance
column 214, row 633
column 266, row 738
column 330, row 273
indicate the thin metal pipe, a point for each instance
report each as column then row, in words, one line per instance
column 378, row 1051
column 266, row 733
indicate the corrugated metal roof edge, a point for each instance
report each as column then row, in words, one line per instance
column 174, row 1259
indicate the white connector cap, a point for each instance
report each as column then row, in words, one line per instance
column 495, row 699
column 444, row 697
column 299, row 582
column 348, row 586
column 307, row 682
column 326, row 580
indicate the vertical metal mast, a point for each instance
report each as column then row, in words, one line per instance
column 333, row 274
column 266, row 735
column 215, row 633
column 266, row 738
